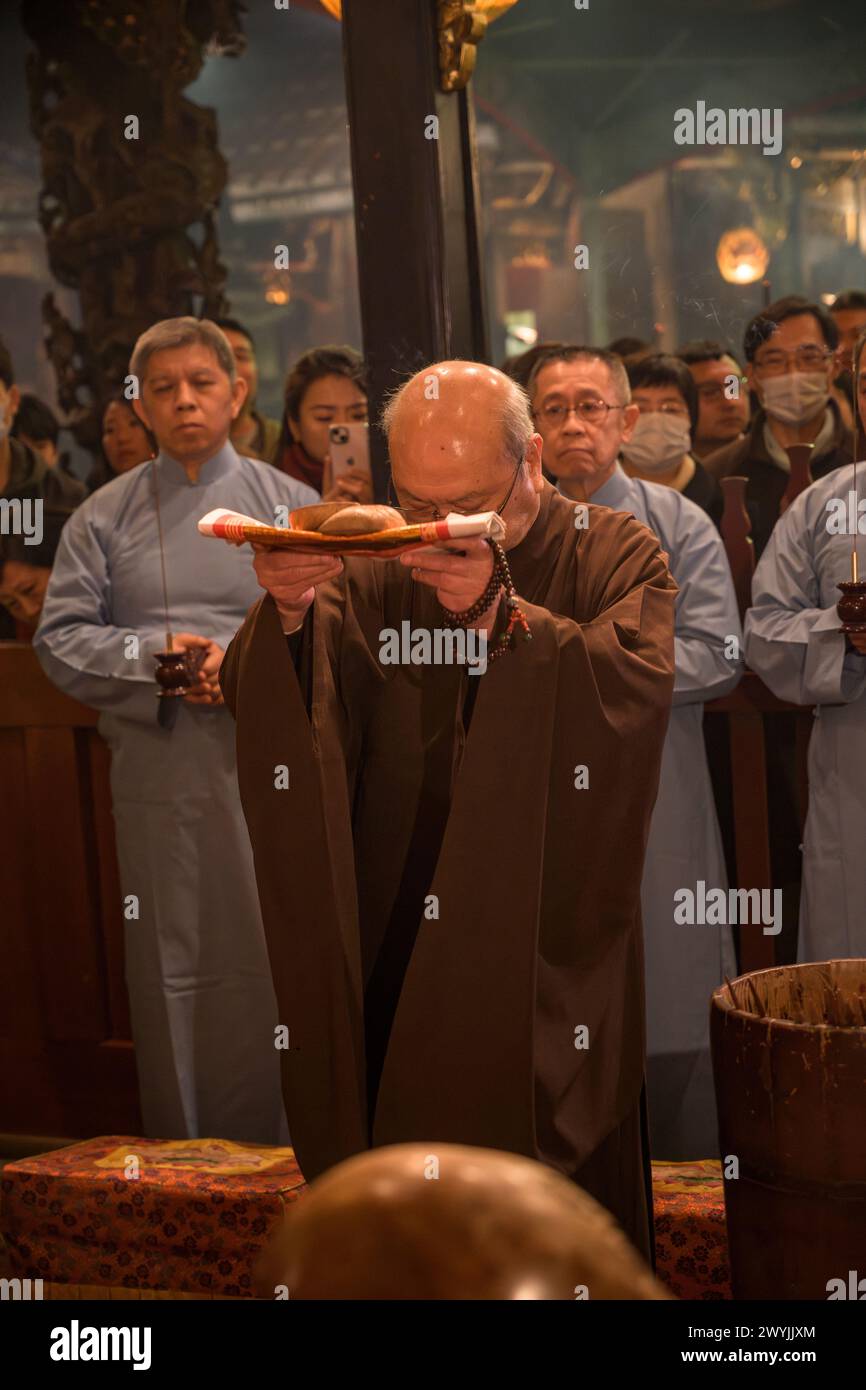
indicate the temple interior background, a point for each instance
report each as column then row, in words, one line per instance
column 263, row 130
column 573, row 147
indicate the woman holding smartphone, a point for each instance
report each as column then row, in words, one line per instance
column 325, row 387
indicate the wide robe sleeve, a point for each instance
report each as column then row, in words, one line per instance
column 292, row 720
column 708, row 632
column 792, row 640
column 77, row 645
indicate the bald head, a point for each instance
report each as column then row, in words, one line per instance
column 458, row 433
column 458, row 396
column 431, row 1221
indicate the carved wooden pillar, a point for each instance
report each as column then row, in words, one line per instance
column 132, row 176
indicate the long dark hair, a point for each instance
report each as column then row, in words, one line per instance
column 314, row 364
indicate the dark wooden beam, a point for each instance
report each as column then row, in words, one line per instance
column 416, row 202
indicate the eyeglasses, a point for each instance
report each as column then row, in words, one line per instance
column 714, row 390
column 810, row 358
column 415, row 515
column 668, row 408
column 592, row 412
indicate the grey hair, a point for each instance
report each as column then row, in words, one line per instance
column 569, row 353
column 175, row 333
column 517, row 424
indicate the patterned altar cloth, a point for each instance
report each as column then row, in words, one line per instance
column 691, row 1238
column 193, row 1216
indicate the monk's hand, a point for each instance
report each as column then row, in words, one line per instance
column 858, row 642
column 206, row 688
column 291, row 580
column 459, row 579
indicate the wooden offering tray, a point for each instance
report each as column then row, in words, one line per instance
column 304, row 535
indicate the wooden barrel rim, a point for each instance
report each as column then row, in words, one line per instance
column 721, row 999
column 844, row 1030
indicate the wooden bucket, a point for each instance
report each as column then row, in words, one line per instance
column 789, row 1059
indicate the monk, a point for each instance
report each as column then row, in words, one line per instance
column 449, row 863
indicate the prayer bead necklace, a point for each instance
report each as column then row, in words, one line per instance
column 499, row 579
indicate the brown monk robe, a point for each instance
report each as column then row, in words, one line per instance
column 446, row 910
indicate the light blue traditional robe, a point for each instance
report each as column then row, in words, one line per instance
column 794, row 643
column 201, row 998
column 684, row 963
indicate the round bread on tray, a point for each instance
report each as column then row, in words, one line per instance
column 311, row 518
column 345, row 519
column 358, row 520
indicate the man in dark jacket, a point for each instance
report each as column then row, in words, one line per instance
column 790, row 351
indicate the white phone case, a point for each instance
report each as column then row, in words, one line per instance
column 349, row 447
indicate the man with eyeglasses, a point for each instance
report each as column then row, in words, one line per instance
column 456, row 941
column 791, row 355
column 582, row 405
column 723, row 395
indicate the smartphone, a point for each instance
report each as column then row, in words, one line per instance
column 349, row 447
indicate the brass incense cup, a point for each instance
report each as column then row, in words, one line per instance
column 176, row 672
column 852, row 605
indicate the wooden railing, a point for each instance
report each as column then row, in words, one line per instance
column 66, row 1060
column 744, row 711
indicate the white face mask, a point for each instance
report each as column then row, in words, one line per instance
column 658, row 443
column 795, row 398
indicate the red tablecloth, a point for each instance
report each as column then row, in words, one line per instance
column 691, row 1238
column 194, row 1216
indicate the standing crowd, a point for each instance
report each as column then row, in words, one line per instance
column 624, row 428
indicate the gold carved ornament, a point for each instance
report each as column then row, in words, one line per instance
column 460, row 26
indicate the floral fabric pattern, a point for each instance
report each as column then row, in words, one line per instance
column 691, row 1236
column 192, row 1216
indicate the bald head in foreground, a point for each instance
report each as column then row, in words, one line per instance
column 449, row 863
column 405, row 1222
